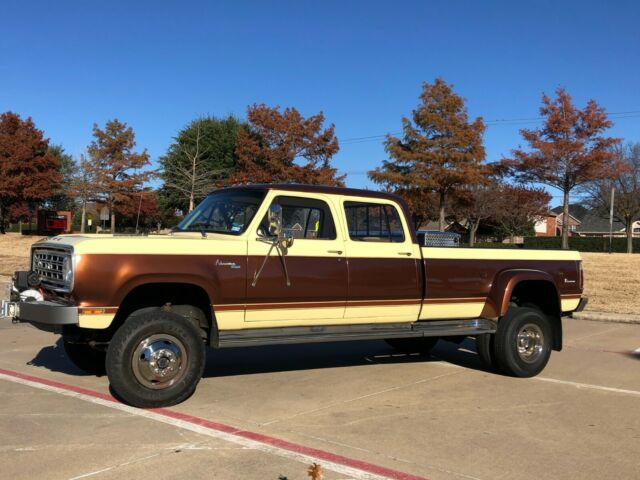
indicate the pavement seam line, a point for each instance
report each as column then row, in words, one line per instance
column 589, row 386
column 356, row 469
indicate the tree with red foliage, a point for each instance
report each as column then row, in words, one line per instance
column 269, row 147
column 440, row 151
column 568, row 151
column 115, row 166
column 28, row 172
column 141, row 212
column 517, row 208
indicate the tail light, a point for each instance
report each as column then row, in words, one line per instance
column 580, row 276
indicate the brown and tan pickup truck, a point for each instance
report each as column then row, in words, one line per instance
column 277, row 264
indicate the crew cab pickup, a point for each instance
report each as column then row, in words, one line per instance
column 280, row 264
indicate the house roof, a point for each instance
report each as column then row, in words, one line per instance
column 594, row 223
column 590, row 221
column 576, row 210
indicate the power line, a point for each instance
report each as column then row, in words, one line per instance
column 495, row 122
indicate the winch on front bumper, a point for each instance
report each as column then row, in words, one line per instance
column 43, row 314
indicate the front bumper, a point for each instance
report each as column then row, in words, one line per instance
column 45, row 315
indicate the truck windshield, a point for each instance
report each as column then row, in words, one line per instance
column 224, row 212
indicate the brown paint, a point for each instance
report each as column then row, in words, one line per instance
column 384, row 278
column 106, row 279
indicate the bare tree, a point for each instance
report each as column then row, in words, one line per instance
column 190, row 178
column 475, row 204
column 626, row 205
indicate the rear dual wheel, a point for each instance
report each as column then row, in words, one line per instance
column 155, row 359
column 521, row 346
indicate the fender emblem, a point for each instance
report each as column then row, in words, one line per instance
column 232, row 265
column 569, row 281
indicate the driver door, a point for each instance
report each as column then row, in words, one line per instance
column 316, row 263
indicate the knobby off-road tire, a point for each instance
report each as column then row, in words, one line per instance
column 523, row 342
column 421, row 345
column 155, row 359
column 85, row 357
column 485, row 346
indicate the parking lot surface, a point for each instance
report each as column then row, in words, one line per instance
column 359, row 409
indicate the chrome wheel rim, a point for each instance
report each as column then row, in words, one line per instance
column 530, row 342
column 159, row 361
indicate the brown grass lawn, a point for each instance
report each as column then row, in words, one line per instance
column 612, row 281
column 14, row 252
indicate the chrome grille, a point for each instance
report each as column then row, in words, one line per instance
column 49, row 265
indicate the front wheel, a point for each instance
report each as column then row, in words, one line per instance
column 523, row 342
column 155, row 360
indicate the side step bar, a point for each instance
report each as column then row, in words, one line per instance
column 333, row 333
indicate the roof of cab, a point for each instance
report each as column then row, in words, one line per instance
column 355, row 192
column 296, row 187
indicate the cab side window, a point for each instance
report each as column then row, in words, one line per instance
column 372, row 222
column 306, row 218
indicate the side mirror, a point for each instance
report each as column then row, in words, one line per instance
column 274, row 217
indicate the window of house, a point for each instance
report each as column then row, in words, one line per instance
column 305, row 218
column 371, row 222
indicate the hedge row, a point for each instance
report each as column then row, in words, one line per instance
column 493, row 245
column 582, row 244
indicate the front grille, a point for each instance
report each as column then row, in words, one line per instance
column 49, row 264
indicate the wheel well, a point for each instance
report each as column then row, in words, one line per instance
column 542, row 294
column 180, row 298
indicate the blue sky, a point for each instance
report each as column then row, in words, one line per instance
column 159, row 64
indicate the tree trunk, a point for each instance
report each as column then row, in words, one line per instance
column 441, row 225
column 84, row 216
column 472, row 233
column 629, row 236
column 2, row 220
column 565, row 220
column 191, row 202
column 113, row 217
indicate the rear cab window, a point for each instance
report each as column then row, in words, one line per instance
column 373, row 222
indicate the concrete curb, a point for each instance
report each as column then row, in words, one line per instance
column 607, row 317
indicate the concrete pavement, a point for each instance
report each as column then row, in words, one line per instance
column 439, row 418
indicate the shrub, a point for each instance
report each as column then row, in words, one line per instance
column 582, row 244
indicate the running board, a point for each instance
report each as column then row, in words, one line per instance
column 333, row 333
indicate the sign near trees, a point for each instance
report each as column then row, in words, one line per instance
column 117, row 168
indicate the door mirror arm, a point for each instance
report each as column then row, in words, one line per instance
column 277, row 239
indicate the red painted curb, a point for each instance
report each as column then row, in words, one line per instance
column 221, row 427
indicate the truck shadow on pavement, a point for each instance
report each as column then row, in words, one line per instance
column 55, row 359
column 283, row 358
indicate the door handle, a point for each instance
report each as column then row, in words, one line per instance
column 339, row 252
column 408, row 254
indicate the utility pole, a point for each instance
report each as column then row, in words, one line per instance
column 613, row 192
